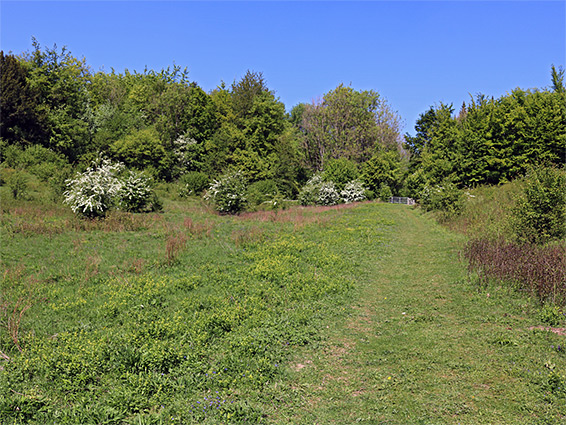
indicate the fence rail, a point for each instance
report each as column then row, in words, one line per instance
column 401, row 200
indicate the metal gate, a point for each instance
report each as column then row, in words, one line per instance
column 401, row 200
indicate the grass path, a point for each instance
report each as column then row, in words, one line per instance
column 424, row 345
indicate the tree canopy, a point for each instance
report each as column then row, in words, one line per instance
column 347, row 123
column 166, row 124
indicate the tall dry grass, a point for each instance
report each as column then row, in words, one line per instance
column 540, row 270
column 174, row 245
column 198, row 229
column 486, row 211
column 18, row 293
column 30, row 220
column 298, row 216
column 493, row 253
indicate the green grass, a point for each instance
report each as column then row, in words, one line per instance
column 424, row 345
column 320, row 315
column 486, row 211
column 145, row 326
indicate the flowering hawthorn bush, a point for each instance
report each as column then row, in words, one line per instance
column 318, row 192
column 228, row 193
column 353, row 191
column 328, row 194
column 309, row 192
column 136, row 193
column 95, row 191
column 104, row 186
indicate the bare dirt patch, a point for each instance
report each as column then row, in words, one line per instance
column 558, row 331
column 362, row 323
column 300, row 366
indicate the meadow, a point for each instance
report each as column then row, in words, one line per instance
column 354, row 313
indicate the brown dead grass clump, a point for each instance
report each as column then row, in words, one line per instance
column 18, row 294
column 198, row 228
column 298, row 216
column 174, row 246
column 538, row 269
column 38, row 220
column 246, row 237
column 117, row 221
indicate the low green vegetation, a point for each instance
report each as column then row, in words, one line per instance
column 424, row 344
column 179, row 317
column 356, row 312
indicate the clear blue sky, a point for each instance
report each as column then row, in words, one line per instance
column 414, row 53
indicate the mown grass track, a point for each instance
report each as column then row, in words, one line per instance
column 424, row 344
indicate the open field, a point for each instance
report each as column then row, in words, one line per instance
column 359, row 313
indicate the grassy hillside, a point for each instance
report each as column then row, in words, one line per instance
column 346, row 314
column 486, row 211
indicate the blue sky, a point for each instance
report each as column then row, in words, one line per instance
column 414, row 53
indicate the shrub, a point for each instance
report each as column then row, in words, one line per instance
column 340, row 171
column 36, row 159
column 446, row 198
column 354, row 191
column 262, row 191
column 95, row 191
column 43, row 162
column 539, row 215
column 10, row 154
column 136, row 194
column 58, row 182
column 17, row 182
column 105, row 185
column 228, row 193
column 193, row 183
column 369, row 194
column 384, row 192
column 319, row 192
column 328, row 194
column 309, row 192
column 551, row 314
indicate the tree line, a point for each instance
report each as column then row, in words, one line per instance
column 490, row 141
column 53, row 104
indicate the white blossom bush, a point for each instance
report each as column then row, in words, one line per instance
column 354, row 191
column 228, row 193
column 95, row 191
column 181, row 147
column 315, row 180
column 136, row 193
column 328, row 194
column 308, row 194
column 319, row 192
column 105, row 185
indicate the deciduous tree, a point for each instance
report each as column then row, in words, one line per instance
column 22, row 119
column 347, row 123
